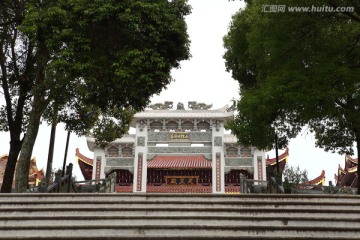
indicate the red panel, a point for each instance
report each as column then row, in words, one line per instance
column 179, row 162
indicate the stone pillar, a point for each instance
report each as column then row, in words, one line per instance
column 140, row 159
column 179, row 125
column 259, row 163
column 99, row 163
column 218, row 160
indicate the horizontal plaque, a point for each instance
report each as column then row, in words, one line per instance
column 179, row 136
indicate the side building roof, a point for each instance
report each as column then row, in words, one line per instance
column 126, row 138
column 347, row 176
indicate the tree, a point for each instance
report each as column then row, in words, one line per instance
column 101, row 57
column 295, row 175
column 297, row 69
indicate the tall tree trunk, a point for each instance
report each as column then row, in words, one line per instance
column 38, row 106
column 51, row 149
column 15, row 146
column 22, row 168
column 358, row 166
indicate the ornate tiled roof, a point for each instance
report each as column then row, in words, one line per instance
column 282, row 157
column 230, row 138
column 218, row 113
column 347, row 176
column 320, row 180
column 82, row 158
column 353, row 160
column 126, row 138
column 85, row 164
column 35, row 175
column 179, row 162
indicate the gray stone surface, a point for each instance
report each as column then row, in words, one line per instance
column 141, row 141
column 179, row 150
column 179, row 216
column 201, row 136
column 193, row 136
column 120, row 161
column 159, row 136
column 218, row 141
column 238, row 162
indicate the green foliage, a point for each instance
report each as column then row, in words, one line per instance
column 346, row 190
column 99, row 56
column 71, row 58
column 296, row 69
column 109, row 57
column 295, row 175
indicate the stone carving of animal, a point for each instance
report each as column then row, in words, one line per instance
column 162, row 106
column 198, row 106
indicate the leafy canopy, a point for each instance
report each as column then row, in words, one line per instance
column 106, row 57
column 85, row 63
column 295, row 175
column 296, row 68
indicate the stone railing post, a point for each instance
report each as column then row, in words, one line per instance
column 69, row 169
column 58, row 175
column 43, row 185
column 243, row 184
column 113, row 182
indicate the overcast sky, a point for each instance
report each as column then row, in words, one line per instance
column 203, row 78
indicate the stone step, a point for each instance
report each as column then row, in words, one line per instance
column 223, row 200
column 201, row 231
column 189, row 205
column 348, row 214
column 178, row 216
column 180, row 198
column 211, row 221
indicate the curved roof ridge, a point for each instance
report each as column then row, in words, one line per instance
column 282, row 157
column 81, row 157
column 319, row 180
column 349, row 158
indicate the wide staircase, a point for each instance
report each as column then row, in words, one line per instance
column 179, row 216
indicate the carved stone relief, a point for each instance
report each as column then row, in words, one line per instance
column 200, row 136
column 198, row 106
column 193, row 136
column 112, row 151
column 158, row 136
column 179, row 149
column 249, row 169
column 141, row 141
column 218, row 141
column 119, row 162
column 232, row 151
column 162, row 106
column 127, row 150
column 141, row 125
column 238, row 162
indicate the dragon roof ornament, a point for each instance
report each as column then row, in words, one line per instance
column 198, row 106
column 162, row 106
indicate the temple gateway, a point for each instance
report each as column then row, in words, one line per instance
column 176, row 150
